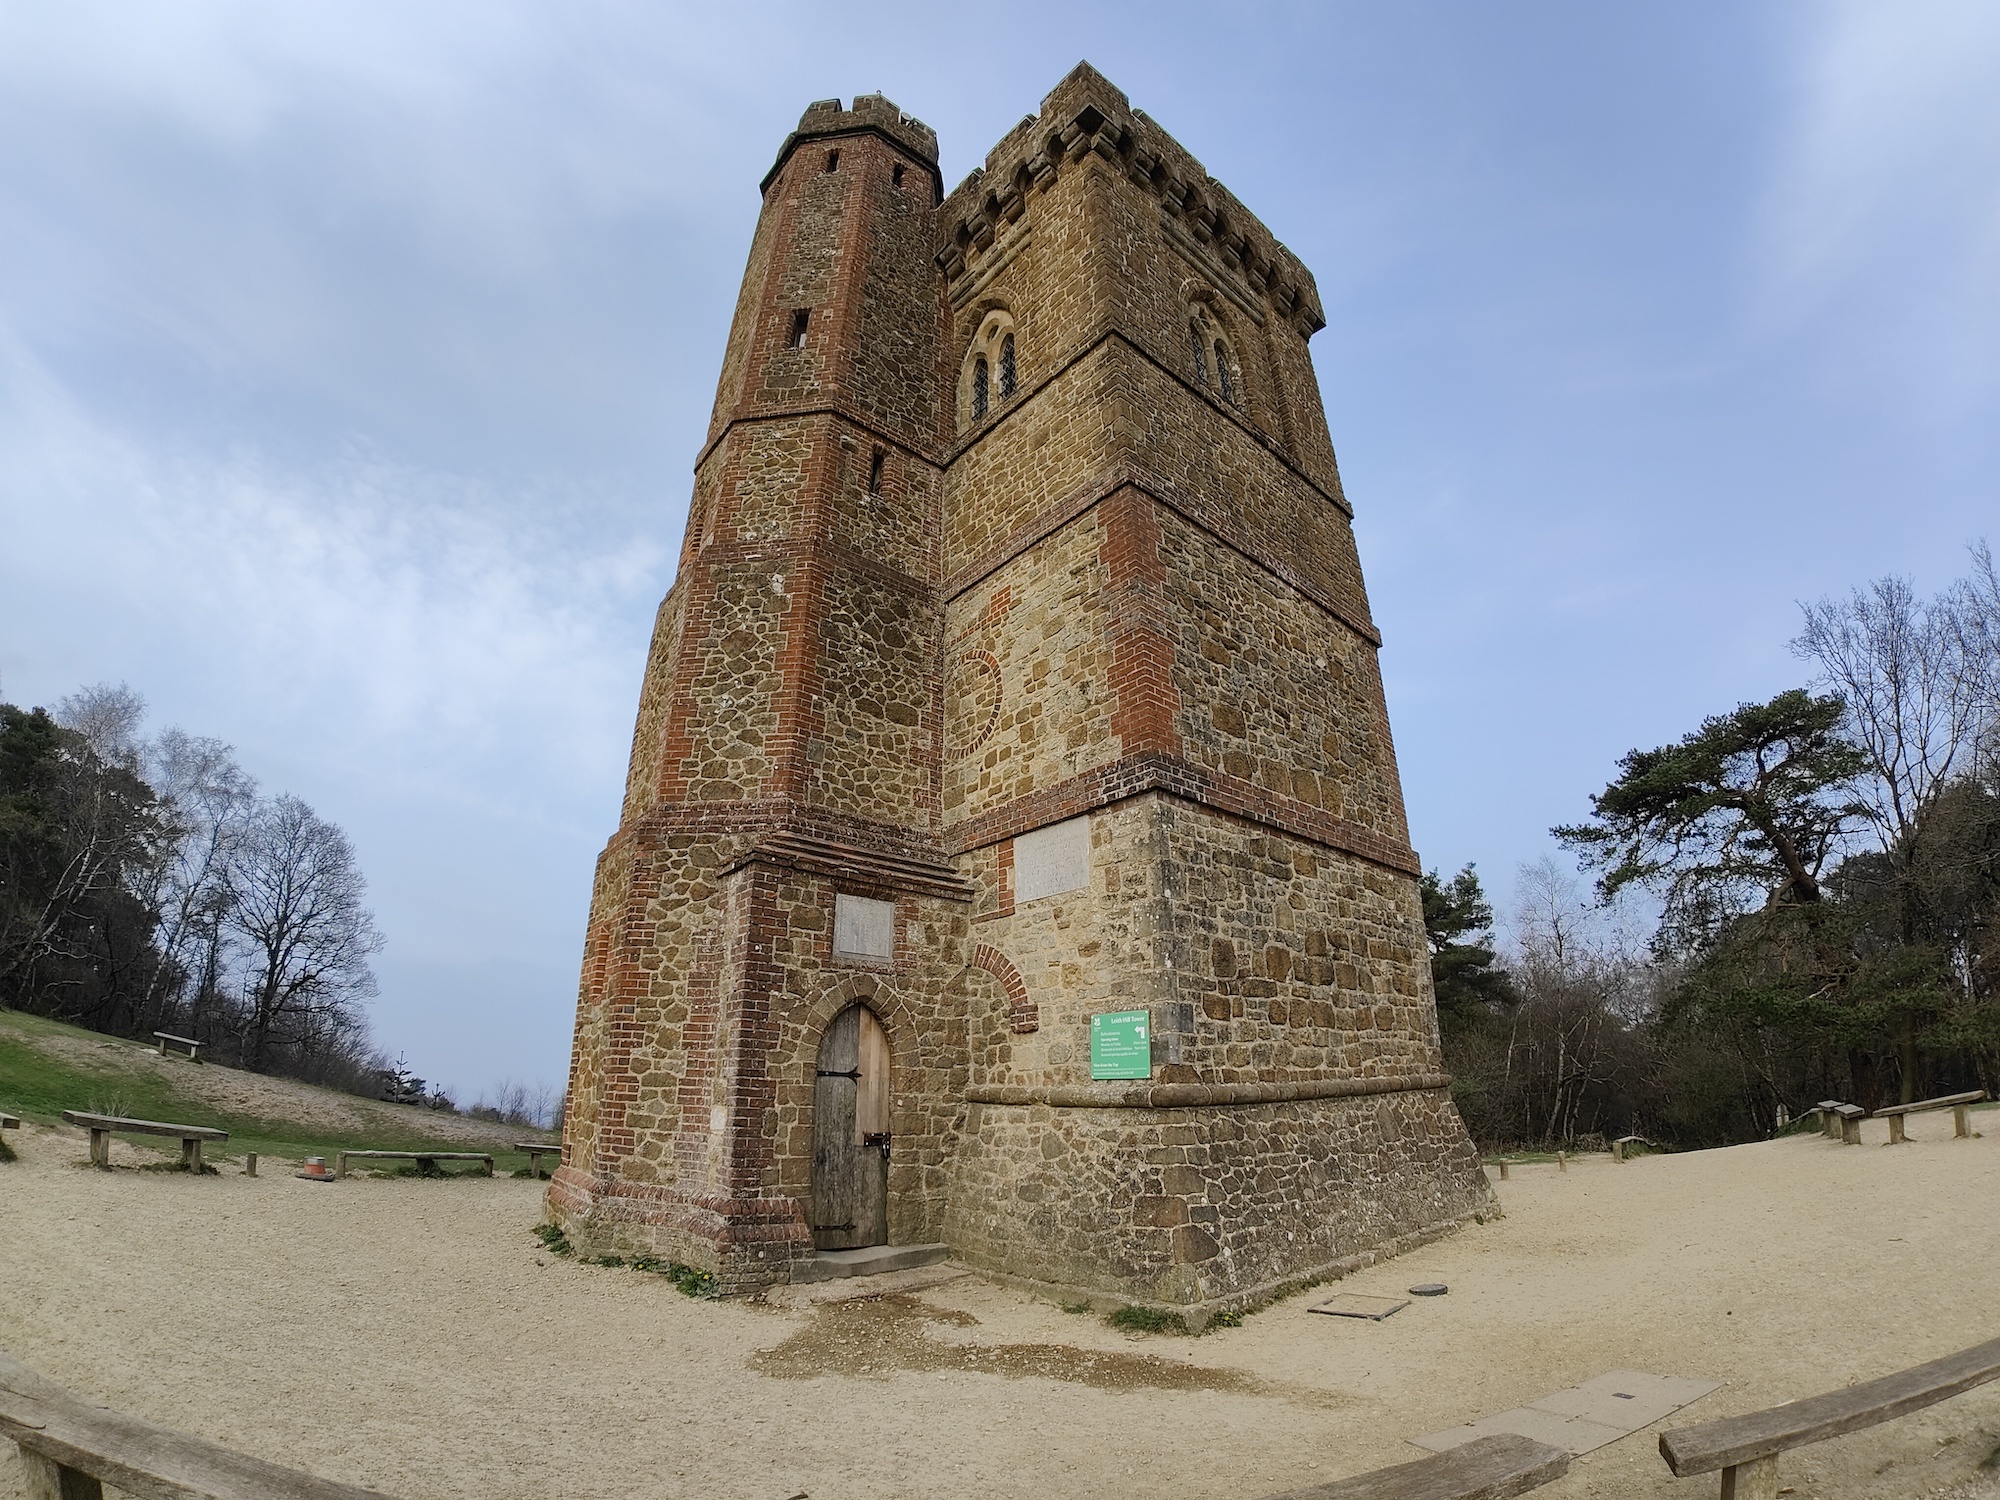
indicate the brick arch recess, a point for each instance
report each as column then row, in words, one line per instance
column 1023, row 1015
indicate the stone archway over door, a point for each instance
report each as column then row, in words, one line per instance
column 850, row 1193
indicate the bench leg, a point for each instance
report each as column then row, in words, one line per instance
column 249, row 1163
column 1896, row 1136
column 340, row 1166
column 1618, row 1151
column 1503, row 1171
column 1961, row 1122
column 49, row 1480
column 1850, row 1132
column 488, row 1164
column 1755, row 1480
column 100, row 1148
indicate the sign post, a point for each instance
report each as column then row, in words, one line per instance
column 1121, row 1044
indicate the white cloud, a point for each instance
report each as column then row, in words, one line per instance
column 1884, row 212
column 380, row 613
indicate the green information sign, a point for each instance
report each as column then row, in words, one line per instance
column 1120, row 1045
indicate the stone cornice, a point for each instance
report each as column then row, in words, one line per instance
column 1155, row 487
column 1176, row 776
column 1200, row 1095
column 1103, row 334
column 844, row 411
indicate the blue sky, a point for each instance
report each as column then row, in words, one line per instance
column 353, row 361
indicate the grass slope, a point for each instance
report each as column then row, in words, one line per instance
column 47, row 1067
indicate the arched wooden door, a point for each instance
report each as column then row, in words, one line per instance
column 850, row 1191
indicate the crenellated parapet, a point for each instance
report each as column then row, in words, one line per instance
column 825, row 119
column 1084, row 116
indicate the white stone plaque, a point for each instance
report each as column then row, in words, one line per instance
column 864, row 928
column 1052, row 860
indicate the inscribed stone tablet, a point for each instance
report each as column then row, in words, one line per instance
column 1052, row 860
column 863, row 928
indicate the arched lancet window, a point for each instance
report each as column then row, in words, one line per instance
column 1210, row 344
column 990, row 376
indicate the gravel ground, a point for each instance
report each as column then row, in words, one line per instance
column 413, row 1336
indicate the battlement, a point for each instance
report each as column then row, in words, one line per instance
column 1087, row 114
column 871, row 112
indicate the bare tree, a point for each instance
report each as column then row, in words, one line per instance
column 298, row 911
column 1915, row 700
column 209, row 800
column 109, row 719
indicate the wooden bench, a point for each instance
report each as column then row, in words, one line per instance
column 536, row 1151
column 1746, row 1448
column 1488, row 1468
column 188, row 1042
column 9, row 1122
column 102, row 1127
column 1829, row 1122
column 426, row 1160
column 1958, row 1104
column 1625, row 1143
column 71, row 1449
column 1850, row 1117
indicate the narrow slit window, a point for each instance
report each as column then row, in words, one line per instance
column 799, row 321
column 1222, row 374
column 875, row 472
column 896, row 175
column 981, row 380
column 833, row 161
column 1200, row 353
column 1007, row 367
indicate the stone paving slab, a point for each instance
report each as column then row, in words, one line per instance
column 1581, row 1418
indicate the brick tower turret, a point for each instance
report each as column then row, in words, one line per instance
column 1018, row 686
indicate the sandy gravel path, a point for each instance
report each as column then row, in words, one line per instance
column 411, row 1336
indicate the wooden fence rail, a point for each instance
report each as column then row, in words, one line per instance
column 71, row 1449
column 1746, row 1448
column 1488, row 1468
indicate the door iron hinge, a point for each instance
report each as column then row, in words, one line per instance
column 854, row 1073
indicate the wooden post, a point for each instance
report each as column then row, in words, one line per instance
column 49, row 1480
column 1850, row 1132
column 249, row 1163
column 1562, row 1162
column 1618, row 1151
column 1961, row 1122
column 1754, row 1479
column 340, row 1166
column 1896, row 1136
column 100, row 1147
column 163, row 1046
column 1503, row 1169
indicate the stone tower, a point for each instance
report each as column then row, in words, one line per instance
column 1017, row 689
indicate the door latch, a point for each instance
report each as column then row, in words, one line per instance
column 878, row 1139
